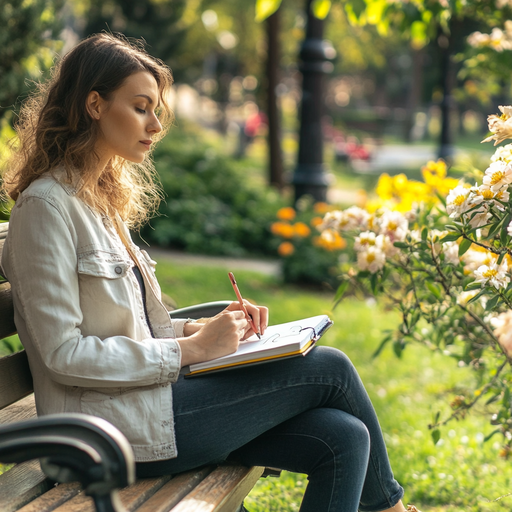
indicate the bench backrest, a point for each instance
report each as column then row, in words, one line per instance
column 15, row 377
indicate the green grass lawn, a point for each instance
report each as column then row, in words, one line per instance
column 460, row 473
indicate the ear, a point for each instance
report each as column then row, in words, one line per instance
column 94, row 105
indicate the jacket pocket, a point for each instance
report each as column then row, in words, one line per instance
column 142, row 414
column 105, row 264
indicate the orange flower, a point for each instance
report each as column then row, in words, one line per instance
column 321, row 208
column 302, row 229
column 285, row 249
column 316, row 221
column 286, row 213
column 282, row 229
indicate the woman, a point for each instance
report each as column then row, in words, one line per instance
column 100, row 341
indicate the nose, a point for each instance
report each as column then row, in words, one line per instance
column 155, row 126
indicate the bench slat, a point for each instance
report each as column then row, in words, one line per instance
column 53, row 498
column 131, row 497
column 221, row 491
column 15, row 378
column 19, row 411
column 174, row 490
column 20, row 485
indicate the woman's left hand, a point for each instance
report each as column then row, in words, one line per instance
column 259, row 315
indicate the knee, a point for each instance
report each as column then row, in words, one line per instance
column 334, row 360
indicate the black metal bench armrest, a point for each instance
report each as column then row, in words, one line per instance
column 205, row 310
column 74, row 447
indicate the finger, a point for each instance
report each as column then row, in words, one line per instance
column 254, row 312
column 263, row 319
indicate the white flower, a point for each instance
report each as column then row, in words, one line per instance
column 489, row 195
column 451, row 252
column 458, row 201
column 503, row 329
column 500, row 126
column 346, row 220
column 385, row 244
column 331, row 220
column 509, row 229
column 498, row 175
column 492, row 274
column 503, row 153
column 479, row 217
column 394, row 225
column 473, row 259
column 365, row 240
column 373, row 259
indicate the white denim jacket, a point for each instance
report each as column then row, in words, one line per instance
column 79, row 314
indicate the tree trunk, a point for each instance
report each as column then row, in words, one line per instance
column 275, row 156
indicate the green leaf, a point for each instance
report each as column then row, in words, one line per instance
column 419, row 33
column 491, row 303
column 342, row 288
column 398, row 348
column 476, row 297
column 506, row 397
column 433, row 288
column 436, row 435
column 473, row 286
column 383, row 343
column 374, row 281
column 265, row 8
column 487, row 437
column 464, row 246
column 504, row 238
column 450, row 237
column 424, row 233
column 500, row 259
column 401, row 245
column 321, row 8
column 355, row 9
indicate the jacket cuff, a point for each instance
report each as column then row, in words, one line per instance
column 171, row 352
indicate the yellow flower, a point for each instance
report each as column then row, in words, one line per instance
column 285, row 249
column 434, row 171
column 286, row 213
column 302, row 229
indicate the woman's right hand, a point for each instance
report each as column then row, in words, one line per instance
column 220, row 336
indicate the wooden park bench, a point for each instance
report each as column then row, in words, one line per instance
column 89, row 456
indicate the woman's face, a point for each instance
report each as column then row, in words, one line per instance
column 128, row 121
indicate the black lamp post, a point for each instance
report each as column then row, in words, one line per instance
column 310, row 176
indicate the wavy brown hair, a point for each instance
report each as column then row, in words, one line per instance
column 55, row 131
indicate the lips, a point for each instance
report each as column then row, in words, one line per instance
column 146, row 143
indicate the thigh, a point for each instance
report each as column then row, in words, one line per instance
column 218, row 413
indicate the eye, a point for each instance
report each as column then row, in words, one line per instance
column 140, row 110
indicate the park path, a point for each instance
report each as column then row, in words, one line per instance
column 264, row 266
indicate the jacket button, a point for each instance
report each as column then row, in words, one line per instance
column 118, row 270
column 171, row 375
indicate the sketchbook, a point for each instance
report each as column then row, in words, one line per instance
column 279, row 341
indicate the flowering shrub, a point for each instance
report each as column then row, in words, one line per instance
column 439, row 251
column 308, row 256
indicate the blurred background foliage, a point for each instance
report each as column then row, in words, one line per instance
column 385, row 88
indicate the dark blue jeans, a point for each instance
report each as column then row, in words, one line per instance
column 308, row 414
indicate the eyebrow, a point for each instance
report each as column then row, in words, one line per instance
column 150, row 100
column 145, row 96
